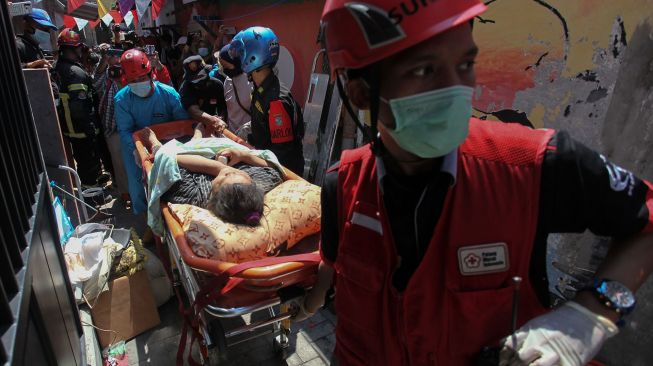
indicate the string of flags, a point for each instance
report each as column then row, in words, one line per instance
column 113, row 11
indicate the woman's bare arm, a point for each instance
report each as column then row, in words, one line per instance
column 200, row 164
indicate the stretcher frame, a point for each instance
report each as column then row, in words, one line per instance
column 241, row 288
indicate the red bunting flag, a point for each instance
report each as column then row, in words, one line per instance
column 69, row 21
column 117, row 17
column 73, row 5
column 156, row 8
column 94, row 23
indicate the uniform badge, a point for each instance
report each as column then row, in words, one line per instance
column 483, row 259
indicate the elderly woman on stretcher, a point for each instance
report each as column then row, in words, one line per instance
column 215, row 173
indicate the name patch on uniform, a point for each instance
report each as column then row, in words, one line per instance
column 482, row 259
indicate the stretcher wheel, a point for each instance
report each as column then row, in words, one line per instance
column 281, row 344
column 217, row 353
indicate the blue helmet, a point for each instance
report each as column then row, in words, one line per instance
column 41, row 17
column 255, row 47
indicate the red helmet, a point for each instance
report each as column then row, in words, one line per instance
column 358, row 34
column 69, row 37
column 134, row 64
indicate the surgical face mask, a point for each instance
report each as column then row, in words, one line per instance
column 141, row 89
column 203, row 51
column 434, row 123
column 41, row 36
column 231, row 72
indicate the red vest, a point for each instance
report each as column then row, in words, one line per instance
column 452, row 306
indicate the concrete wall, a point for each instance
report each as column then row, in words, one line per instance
column 585, row 66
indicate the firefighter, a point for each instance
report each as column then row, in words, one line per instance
column 277, row 121
column 428, row 225
column 37, row 26
column 77, row 108
column 143, row 102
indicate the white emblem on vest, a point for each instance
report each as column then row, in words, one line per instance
column 482, row 259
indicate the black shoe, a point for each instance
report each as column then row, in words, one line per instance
column 103, row 178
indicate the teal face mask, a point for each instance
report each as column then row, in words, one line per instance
column 434, row 123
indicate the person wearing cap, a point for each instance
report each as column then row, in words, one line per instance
column 77, row 109
column 143, row 102
column 37, row 27
column 107, row 82
column 237, row 92
column 277, row 121
column 203, row 95
column 431, row 227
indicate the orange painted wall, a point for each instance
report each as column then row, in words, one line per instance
column 295, row 23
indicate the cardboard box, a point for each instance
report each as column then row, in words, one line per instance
column 128, row 308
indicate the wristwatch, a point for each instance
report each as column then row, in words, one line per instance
column 614, row 295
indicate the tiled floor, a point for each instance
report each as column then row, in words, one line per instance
column 311, row 342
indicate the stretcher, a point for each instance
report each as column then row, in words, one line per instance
column 215, row 289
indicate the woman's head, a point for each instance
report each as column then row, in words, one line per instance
column 235, row 198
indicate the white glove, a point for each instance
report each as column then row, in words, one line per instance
column 568, row 336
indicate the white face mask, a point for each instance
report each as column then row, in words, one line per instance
column 203, row 51
column 141, row 89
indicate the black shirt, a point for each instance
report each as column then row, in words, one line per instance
column 207, row 94
column 28, row 50
column 290, row 154
column 580, row 190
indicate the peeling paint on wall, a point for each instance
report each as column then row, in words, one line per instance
column 585, row 66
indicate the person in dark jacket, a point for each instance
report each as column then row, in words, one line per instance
column 202, row 95
column 277, row 121
column 37, row 26
column 77, row 108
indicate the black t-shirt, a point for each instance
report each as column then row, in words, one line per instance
column 28, row 50
column 207, row 94
column 580, row 190
column 195, row 188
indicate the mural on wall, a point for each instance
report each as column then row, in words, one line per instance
column 585, row 66
column 556, row 62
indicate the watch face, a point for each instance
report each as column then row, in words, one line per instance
column 618, row 294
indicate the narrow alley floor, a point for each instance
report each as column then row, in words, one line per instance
column 311, row 341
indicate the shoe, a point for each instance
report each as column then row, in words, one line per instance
column 103, row 178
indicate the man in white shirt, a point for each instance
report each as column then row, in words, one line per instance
column 237, row 94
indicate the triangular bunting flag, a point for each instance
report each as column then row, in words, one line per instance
column 136, row 17
column 104, row 7
column 115, row 14
column 141, row 7
column 94, row 23
column 125, row 6
column 129, row 17
column 107, row 19
column 81, row 23
column 156, row 8
column 73, row 5
column 69, row 21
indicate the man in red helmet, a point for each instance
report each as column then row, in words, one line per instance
column 77, row 108
column 427, row 227
column 143, row 102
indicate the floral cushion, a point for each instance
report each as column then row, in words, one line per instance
column 292, row 212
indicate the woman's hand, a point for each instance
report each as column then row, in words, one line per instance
column 234, row 156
